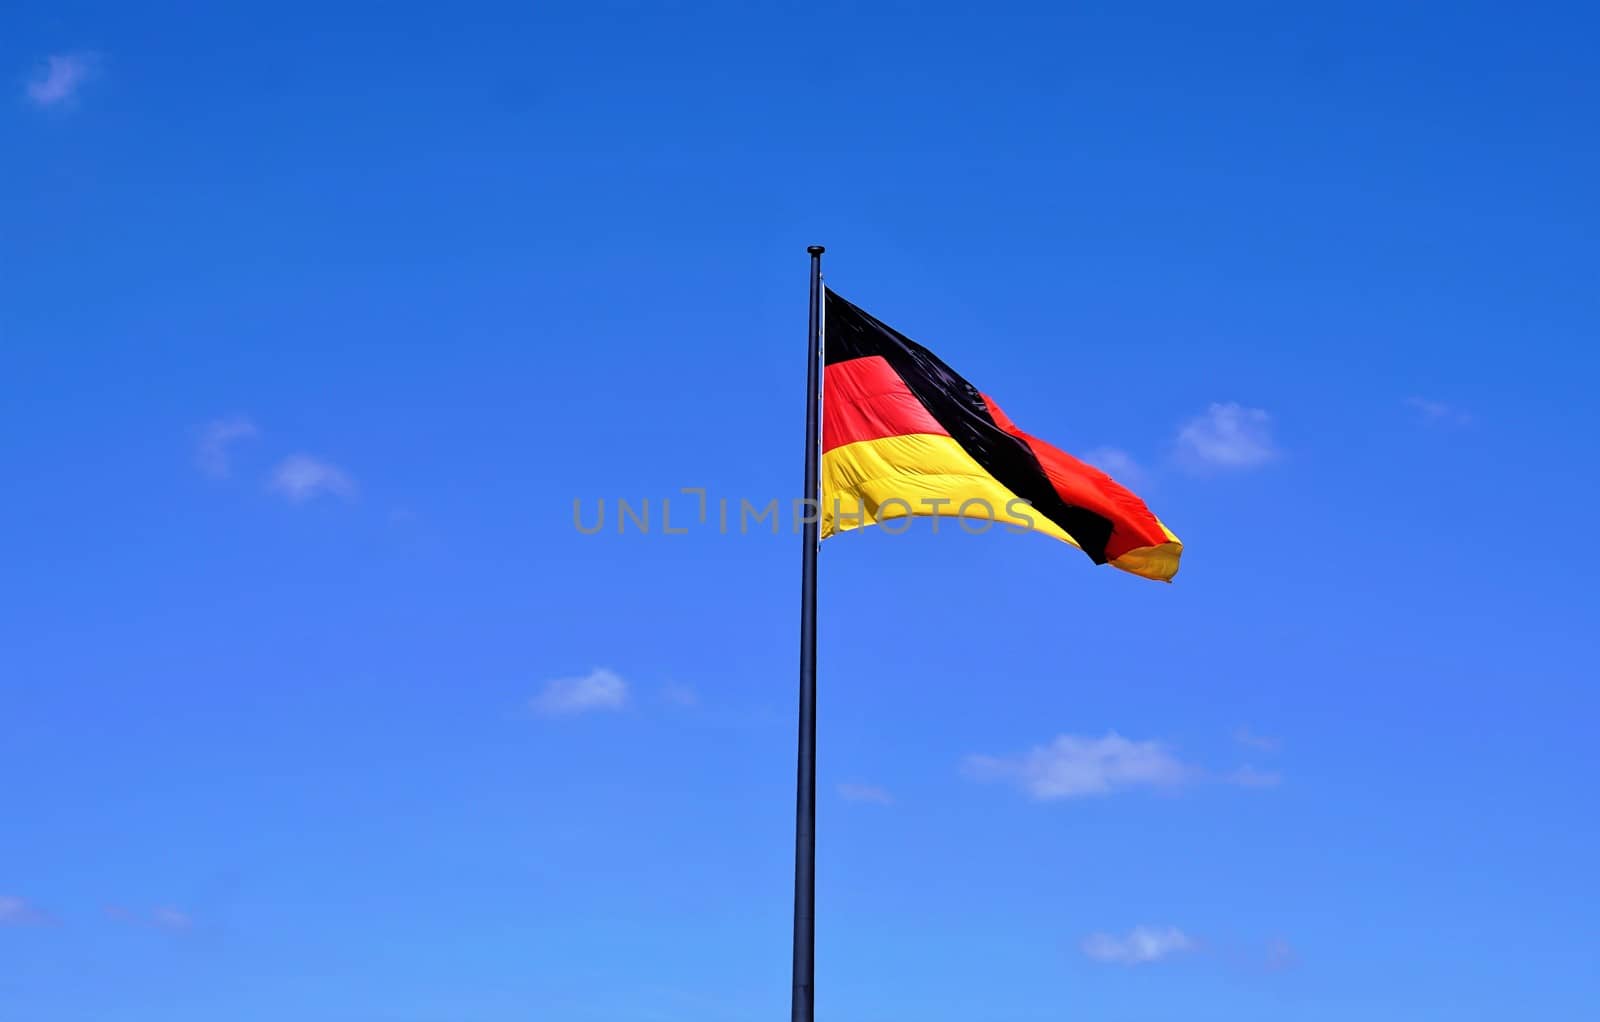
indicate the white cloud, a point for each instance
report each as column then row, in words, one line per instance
column 1073, row 766
column 1227, row 436
column 1118, row 464
column 15, row 911
column 1250, row 740
column 1250, row 777
column 162, row 917
column 1076, row 766
column 1437, row 413
column 301, row 477
column 865, row 793
column 165, row 917
column 600, row 689
column 1280, row 955
column 680, row 695
column 216, row 437
column 59, row 79
column 1141, row 946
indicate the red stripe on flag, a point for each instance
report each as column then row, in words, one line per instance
column 865, row 399
column 1132, row 524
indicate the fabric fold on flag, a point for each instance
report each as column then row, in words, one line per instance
column 904, row 435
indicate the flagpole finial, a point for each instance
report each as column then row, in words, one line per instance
column 815, row 249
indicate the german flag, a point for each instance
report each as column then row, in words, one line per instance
column 903, row 435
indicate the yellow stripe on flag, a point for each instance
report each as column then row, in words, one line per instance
column 873, row 481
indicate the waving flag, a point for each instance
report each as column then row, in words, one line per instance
column 904, row 435
column 892, row 432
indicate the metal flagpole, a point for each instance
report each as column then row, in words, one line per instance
column 801, row 1006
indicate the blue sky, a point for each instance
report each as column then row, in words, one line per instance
column 315, row 705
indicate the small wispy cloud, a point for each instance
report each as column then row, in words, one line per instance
column 870, row 793
column 1227, row 437
column 300, row 478
column 1261, row 743
column 1118, row 464
column 19, row 911
column 1074, row 766
column 1140, row 946
column 1078, row 766
column 680, row 695
column 1250, row 777
column 162, row 917
column 173, row 920
column 59, row 78
column 1280, row 955
column 214, row 452
column 1438, row 413
column 598, row 690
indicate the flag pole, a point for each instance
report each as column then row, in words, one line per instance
column 801, row 1006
